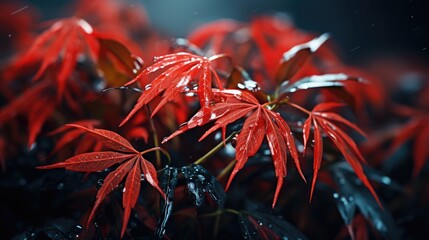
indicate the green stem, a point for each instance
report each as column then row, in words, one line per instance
column 214, row 150
column 158, row 149
column 217, row 223
column 226, row 170
column 217, row 212
column 155, row 137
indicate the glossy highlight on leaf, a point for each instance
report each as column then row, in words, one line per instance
column 178, row 71
column 200, row 181
column 294, row 59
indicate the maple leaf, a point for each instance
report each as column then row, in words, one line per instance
column 66, row 38
column 260, row 122
column 132, row 164
column 323, row 120
column 178, row 71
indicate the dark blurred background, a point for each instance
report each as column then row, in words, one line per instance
column 361, row 28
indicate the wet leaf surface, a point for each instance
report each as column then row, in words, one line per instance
column 258, row 225
column 168, row 182
column 201, row 181
column 353, row 194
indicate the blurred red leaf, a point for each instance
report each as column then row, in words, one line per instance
column 65, row 39
column 417, row 129
column 37, row 104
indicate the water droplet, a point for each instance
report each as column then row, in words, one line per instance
column 148, row 86
column 100, row 183
column 201, row 177
column 217, row 136
column 292, row 90
column 85, row 26
column 125, row 189
column 335, row 195
column 32, row 147
column 10, row 35
column 183, row 124
column 60, row 186
column 386, row 180
column 22, row 181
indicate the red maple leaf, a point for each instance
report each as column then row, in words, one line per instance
column 132, row 164
column 65, row 39
column 325, row 121
column 260, row 122
column 178, row 71
column 65, row 42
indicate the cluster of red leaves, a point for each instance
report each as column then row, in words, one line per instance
column 228, row 105
column 57, row 51
column 67, row 38
column 279, row 57
column 272, row 36
column 261, row 122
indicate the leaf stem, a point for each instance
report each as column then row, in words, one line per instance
column 299, row 108
column 155, row 137
column 215, row 149
column 217, row 212
column 158, row 149
column 226, row 170
column 217, row 223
